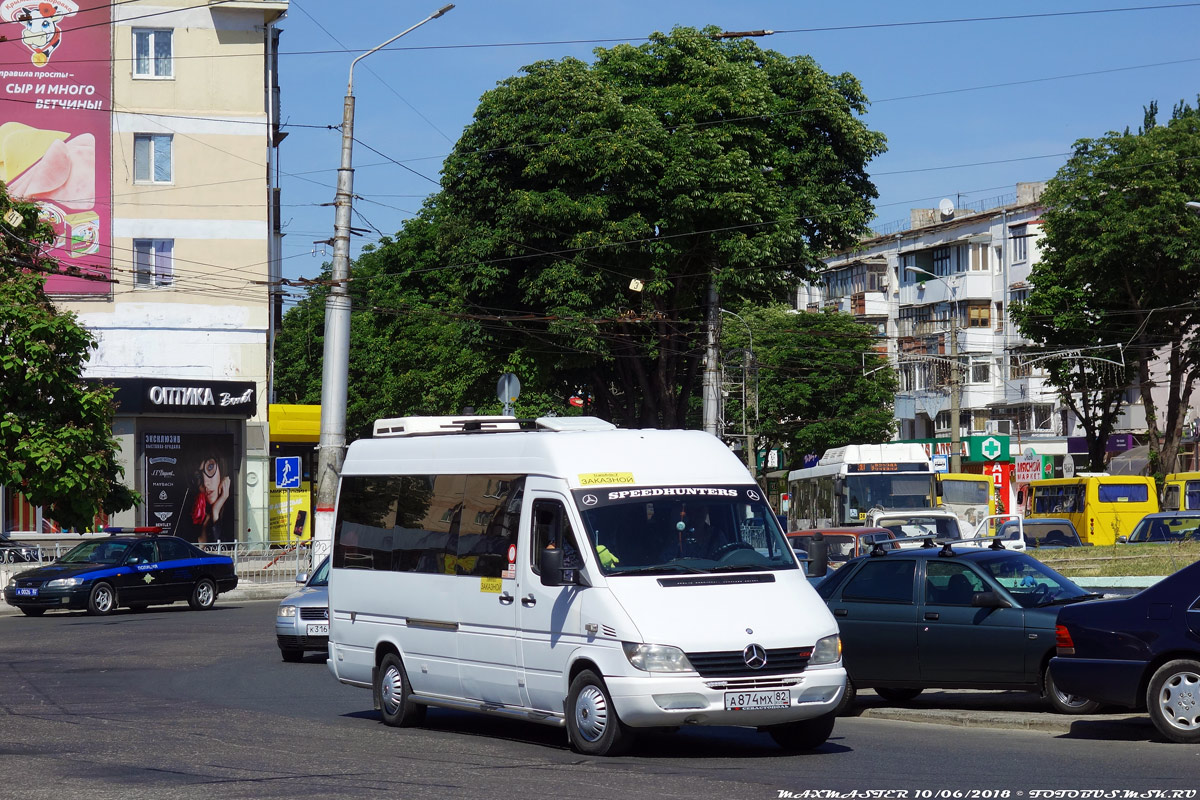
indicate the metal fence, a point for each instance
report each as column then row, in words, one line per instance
column 254, row 562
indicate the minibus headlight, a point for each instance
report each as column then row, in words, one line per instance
column 287, row 611
column 63, row 583
column 656, row 657
column 827, row 651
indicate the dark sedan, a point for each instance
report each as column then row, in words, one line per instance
column 134, row 571
column 1139, row 652
column 940, row 617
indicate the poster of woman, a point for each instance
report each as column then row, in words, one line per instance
column 190, row 483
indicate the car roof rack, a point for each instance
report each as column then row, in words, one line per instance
column 947, row 543
column 417, row 426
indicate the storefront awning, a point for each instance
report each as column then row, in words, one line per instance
column 294, row 423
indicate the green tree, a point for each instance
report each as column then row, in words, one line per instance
column 56, row 444
column 414, row 347
column 821, row 383
column 1120, row 263
column 601, row 200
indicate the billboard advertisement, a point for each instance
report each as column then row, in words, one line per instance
column 191, row 485
column 55, row 138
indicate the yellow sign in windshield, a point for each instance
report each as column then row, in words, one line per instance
column 606, row 478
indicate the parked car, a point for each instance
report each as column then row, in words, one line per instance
column 951, row 618
column 1138, row 652
column 1165, row 526
column 844, row 544
column 135, row 571
column 16, row 552
column 302, row 620
column 1040, row 533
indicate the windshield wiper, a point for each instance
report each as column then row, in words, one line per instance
column 658, row 569
column 1062, row 601
column 745, row 567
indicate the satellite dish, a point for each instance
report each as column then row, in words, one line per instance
column 946, row 207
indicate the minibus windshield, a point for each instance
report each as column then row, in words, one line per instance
column 683, row 529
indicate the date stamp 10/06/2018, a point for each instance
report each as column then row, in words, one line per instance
column 988, row 794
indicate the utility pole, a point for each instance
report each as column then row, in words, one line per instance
column 335, row 367
column 712, row 367
column 955, row 370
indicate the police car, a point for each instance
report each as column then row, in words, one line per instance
column 133, row 571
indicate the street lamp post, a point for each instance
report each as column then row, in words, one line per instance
column 955, row 375
column 336, row 362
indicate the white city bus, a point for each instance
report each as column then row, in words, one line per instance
column 850, row 481
column 565, row 572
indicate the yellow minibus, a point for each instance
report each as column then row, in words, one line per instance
column 971, row 497
column 1181, row 492
column 1102, row 507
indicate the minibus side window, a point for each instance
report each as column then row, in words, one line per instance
column 490, row 526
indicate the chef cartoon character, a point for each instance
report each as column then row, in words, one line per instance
column 40, row 28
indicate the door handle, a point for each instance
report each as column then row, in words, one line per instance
column 505, row 598
column 932, row 615
column 840, row 612
column 529, row 601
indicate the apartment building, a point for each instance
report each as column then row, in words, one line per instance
column 938, row 290
column 148, row 133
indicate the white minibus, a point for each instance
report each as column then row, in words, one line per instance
column 563, row 571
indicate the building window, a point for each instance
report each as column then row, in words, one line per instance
column 151, row 158
column 978, row 316
column 941, row 261
column 152, row 53
column 1019, row 239
column 979, row 257
column 152, row 262
column 981, row 371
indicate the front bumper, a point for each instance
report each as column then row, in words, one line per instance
column 293, row 634
column 660, row 700
column 73, row 597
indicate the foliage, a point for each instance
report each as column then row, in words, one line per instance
column 590, row 206
column 820, row 382
column 414, row 349
column 1119, row 266
column 56, row 444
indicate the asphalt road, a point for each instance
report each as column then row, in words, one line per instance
column 174, row 703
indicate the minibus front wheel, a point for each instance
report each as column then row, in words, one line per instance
column 807, row 734
column 393, row 694
column 592, row 721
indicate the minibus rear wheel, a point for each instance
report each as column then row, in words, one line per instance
column 393, row 694
column 592, row 721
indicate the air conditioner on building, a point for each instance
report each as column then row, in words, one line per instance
column 1002, row 427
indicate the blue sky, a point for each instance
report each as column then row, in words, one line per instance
column 1017, row 109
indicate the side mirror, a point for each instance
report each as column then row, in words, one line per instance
column 989, row 600
column 839, row 486
column 1123, row 539
column 550, row 564
column 302, row 577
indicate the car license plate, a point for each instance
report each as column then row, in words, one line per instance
column 747, row 701
column 318, row 630
column 26, row 592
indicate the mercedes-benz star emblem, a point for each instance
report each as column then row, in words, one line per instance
column 589, row 500
column 755, row 656
column 753, row 495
